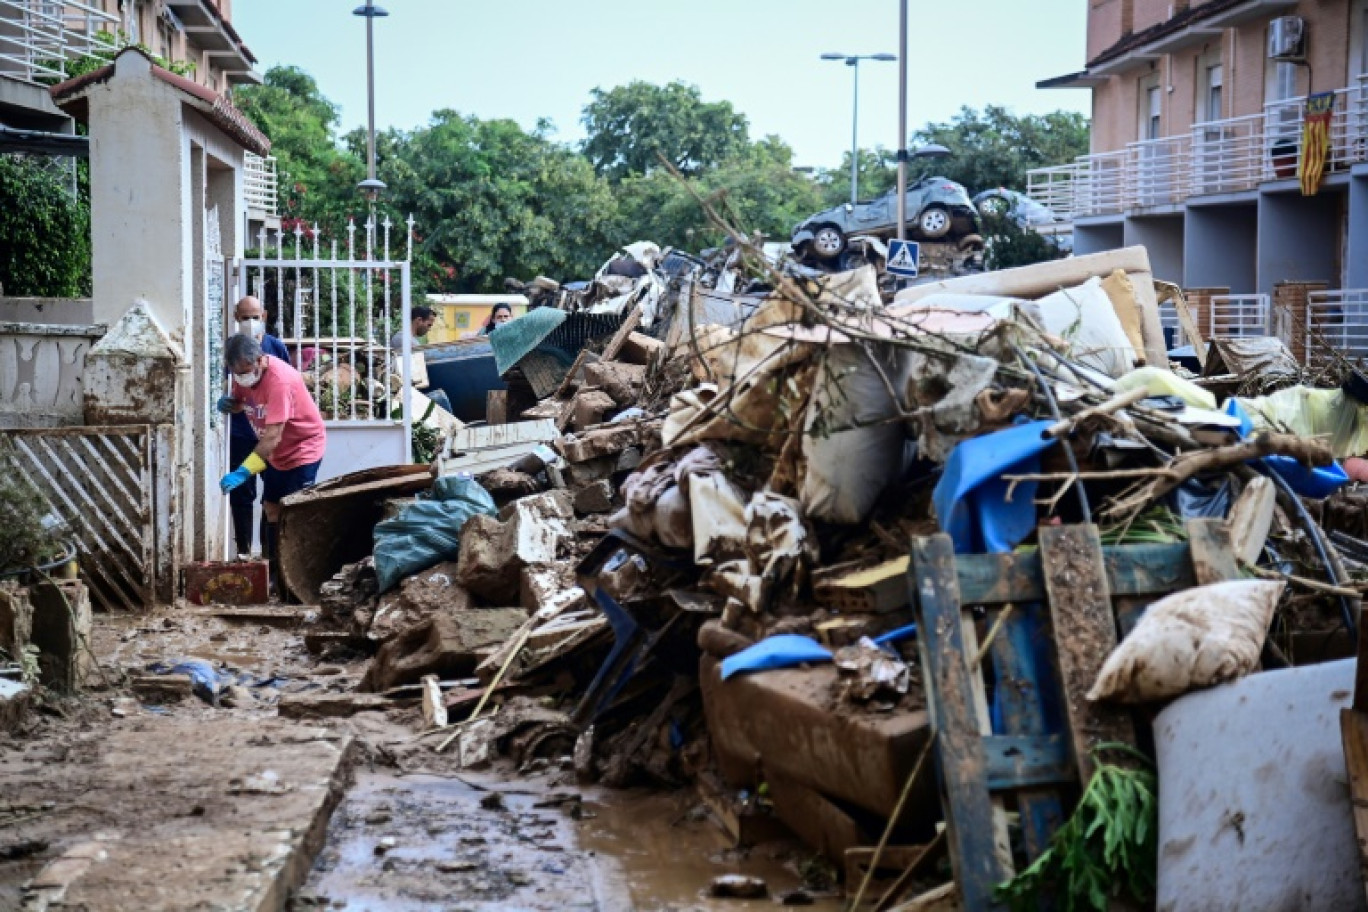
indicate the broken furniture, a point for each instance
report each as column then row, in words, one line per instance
column 1075, row 579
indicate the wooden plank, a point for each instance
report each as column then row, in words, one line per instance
column 1354, row 732
column 1213, row 555
column 619, row 339
column 1021, row 761
column 1021, row 681
column 978, row 688
column 496, row 407
column 1084, row 629
column 959, row 747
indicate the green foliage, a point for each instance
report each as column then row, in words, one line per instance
column 1109, row 846
column 25, row 542
column 44, row 232
column 1009, row 244
column 317, row 176
column 629, row 126
column 994, row 148
column 114, row 44
column 757, row 187
column 878, row 174
column 492, row 200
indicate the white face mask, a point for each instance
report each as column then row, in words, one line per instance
column 253, row 327
column 248, row 380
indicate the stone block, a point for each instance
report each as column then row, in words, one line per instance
column 161, row 689
column 16, row 618
column 787, row 724
column 539, row 585
column 331, row 705
column 607, row 441
column 592, row 407
column 418, row 597
column 446, row 644
column 493, row 553
column 581, row 474
column 61, row 623
column 639, row 349
column 596, row 497
column 623, row 382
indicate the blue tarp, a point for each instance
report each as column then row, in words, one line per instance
column 971, row 497
column 781, row 651
column 1304, row 480
column 429, row 531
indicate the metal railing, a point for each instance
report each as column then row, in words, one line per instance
column 1240, row 315
column 1336, row 323
column 1227, row 155
column 1156, row 171
column 1220, row 156
column 39, row 37
column 260, row 185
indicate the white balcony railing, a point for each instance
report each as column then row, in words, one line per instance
column 1336, row 322
column 1156, row 171
column 1240, row 315
column 39, row 37
column 1221, row 156
column 260, row 185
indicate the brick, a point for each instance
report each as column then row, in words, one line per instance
column 446, row 644
column 592, row 407
column 596, row 497
column 639, row 349
column 623, row 382
column 493, row 553
column 607, row 441
column 61, row 622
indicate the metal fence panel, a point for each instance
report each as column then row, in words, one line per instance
column 99, row 481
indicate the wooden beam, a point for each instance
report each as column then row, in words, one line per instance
column 979, row 867
column 496, row 406
column 1084, row 627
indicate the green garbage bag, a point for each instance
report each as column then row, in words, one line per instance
column 429, row 531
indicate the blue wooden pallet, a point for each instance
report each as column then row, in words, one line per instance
column 1069, row 584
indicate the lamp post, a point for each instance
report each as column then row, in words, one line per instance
column 372, row 185
column 853, row 61
column 902, row 120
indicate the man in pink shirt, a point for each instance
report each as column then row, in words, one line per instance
column 289, row 428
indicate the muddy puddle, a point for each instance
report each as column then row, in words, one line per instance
column 416, row 843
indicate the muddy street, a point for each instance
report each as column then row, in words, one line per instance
column 150, row 798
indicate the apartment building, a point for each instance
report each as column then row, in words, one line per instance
column 39, row 40
column 1198, row 110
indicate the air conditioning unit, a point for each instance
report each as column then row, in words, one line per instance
column 1287, row 39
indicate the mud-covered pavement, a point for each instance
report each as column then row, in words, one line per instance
column 126, row 799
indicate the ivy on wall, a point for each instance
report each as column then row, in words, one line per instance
column 44, row 232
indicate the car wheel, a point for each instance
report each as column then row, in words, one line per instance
column 934, row 222
column 993, row 205
column 828, row 242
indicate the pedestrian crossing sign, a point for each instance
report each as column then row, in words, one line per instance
column 903, row 257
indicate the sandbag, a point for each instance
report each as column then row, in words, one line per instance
column 1190, row 640
column 1084, row 316
column 428, row 532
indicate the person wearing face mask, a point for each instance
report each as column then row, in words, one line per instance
column 250, row 318
column 500, row 315
column 288, row 426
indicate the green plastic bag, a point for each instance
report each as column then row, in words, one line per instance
column 429, row 531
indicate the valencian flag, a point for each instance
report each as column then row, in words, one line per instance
column 1315, row 141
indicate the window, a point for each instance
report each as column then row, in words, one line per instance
column 1153, row 103
column 1215, row 77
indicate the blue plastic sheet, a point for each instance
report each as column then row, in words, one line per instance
column 971, row 497
column 781, row 651
column 1304, row 480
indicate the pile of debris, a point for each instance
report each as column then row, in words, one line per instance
column 719, row 547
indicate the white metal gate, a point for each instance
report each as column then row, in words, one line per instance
column 336, row 315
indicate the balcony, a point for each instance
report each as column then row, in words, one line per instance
column 39, row 37
column 1222, row 156
column 260, row 187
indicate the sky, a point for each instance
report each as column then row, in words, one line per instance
column 533, row 59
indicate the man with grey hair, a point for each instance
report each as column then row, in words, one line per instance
column 251, row 319
column 289, row 429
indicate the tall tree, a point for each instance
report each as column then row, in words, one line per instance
column 492, row 200
column 756, row 187
column 629, row 126
column 994, row 148
column 318, row 176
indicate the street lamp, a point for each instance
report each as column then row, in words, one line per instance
column 371, row 186
column 853, row 61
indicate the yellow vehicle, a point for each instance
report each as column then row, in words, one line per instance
column 461, row 316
